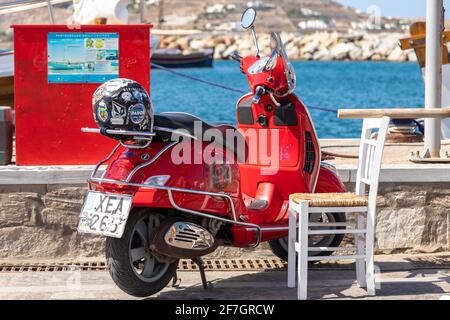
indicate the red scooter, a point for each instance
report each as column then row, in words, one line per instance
column 187, row 187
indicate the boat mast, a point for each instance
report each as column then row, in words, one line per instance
column 433, row 76
column 160, row 13
column 50, row 11
column 141, row 10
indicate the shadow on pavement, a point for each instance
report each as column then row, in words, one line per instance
column 324, row 283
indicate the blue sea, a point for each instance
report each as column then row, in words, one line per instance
column 329, row 85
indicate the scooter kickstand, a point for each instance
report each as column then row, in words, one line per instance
column 201, row 266
column 176, row 281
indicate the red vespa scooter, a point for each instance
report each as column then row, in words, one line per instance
column 187, row 187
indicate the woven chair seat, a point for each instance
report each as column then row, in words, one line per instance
column 331, row 199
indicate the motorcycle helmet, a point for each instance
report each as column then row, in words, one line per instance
column 123, row 104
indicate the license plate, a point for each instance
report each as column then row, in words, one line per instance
column 105, row 214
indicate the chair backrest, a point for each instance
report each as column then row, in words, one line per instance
column 370, row 155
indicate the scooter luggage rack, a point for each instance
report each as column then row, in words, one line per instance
column 170, row 190
column 135, row 135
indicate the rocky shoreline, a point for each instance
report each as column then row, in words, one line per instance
column 320, row 46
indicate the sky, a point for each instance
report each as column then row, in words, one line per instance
column 398, row 8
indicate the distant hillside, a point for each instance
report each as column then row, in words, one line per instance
column 287, row 15
column 222, row 16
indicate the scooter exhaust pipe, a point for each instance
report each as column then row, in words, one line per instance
column 182, row 239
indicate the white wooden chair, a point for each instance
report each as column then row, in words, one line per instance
column 301, row 205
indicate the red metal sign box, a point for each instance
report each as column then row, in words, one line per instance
column 49, row 115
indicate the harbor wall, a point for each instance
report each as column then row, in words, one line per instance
column 39, row 221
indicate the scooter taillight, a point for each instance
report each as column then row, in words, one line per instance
column 119, row 169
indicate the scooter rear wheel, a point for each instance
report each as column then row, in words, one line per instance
column 279, row 247
column 132, row 265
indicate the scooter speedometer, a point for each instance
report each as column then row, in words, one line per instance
column 258, row 66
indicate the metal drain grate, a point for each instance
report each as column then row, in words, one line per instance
column 235, row 265
column 184, row 265
column 50, row 267
column 419, row 262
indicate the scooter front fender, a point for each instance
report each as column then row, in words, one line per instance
column 329, row 182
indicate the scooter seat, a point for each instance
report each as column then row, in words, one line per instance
column 167, row 124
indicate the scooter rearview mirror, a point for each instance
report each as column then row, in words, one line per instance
column 248, row 18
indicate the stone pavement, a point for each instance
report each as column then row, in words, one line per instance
column 414, row 277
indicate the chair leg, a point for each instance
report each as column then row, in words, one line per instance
column 360, row 250
column 292, row 238
column 303, row 254
column 370, row 268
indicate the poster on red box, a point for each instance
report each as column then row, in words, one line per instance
column 84, row 57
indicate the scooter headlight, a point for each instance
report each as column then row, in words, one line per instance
column 157, row 180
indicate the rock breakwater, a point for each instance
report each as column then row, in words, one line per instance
column 320, row 46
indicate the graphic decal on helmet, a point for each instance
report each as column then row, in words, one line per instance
column 102, row 112
column 137, row 113
column 126, row 96
column 118, row 111
column 113, row 86
column 137, row 95
column 99, row 93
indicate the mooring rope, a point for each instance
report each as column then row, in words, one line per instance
column 180, row 74
column 214, row 84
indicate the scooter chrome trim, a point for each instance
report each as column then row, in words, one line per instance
column 175, row 189
column 140, row 185
column 137, row 146
column 194, row 212
column 94, row 173
column 190, row 236
column 142, row 135
column 275, row 102
column 145, row 164
column 154, row 186
column 251, row 225
column 243, row 96
column 275, row 229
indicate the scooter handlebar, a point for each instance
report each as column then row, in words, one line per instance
column 235, row 56
column 260, row 90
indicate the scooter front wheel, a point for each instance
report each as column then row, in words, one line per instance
column 279, row 247
column 132, row 265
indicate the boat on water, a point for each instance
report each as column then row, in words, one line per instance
column 171, row 58
column 65, row 66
